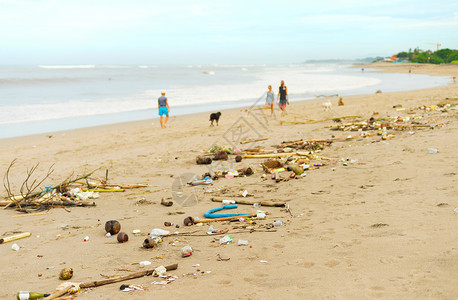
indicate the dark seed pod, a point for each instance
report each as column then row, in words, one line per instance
column 113, row 227
column 238, row 158
column 123, row 237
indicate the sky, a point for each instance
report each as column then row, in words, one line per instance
column 219, row 31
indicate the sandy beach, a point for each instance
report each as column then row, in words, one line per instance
column 374, row 219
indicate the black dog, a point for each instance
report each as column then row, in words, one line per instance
column 214, row 117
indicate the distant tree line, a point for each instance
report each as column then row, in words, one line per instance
column 442, row 56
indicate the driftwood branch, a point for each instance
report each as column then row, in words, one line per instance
column 247, row 202
column 125, row 277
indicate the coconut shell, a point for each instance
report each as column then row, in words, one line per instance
column 203, row 160
column 149, row 243
column 188, row 221
column 113, row 227
column 66, row 274
column 220, row 155
column 122, row 237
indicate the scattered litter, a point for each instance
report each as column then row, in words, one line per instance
column 432, row 151
column 15, row 237
column 128, row 288
column 278, row 223
column 242, row 243
column 158, row 232
column 261, row 215
column 186, row 251
column 136, row 231
column 145, row 263
column 263, row 261
column 86, row 238
column 15, row 247
column 160, row 271
column 225, row 240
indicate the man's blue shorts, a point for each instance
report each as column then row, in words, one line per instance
column 163, row 110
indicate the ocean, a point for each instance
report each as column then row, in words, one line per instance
column 48, row 98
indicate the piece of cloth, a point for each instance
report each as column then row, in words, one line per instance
column 270, row 98
column 163, row 110
column 162, row 101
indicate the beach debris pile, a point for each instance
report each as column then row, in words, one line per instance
column 77, row 191
column 217, row 152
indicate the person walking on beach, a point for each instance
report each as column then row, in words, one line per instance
column 284, row 98
column 270, row 101
column 164, row 109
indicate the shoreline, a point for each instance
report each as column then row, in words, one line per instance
column 375, row 221
column 48, row 126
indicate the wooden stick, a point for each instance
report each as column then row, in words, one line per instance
column 125, row 277
column 276, row 155
column 105, row 190
column 67, row 202
column 224, row 219
column 30, row 215
column 263, row 203
column 60, row 290
column 15, row 237
column 254, row 140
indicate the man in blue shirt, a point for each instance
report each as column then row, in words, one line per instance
column 163, row 109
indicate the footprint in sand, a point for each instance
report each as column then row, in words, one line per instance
column 224, row 282
column 278, row 246
column 331, row 263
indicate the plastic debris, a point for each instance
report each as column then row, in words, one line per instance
column 158, row 232
column 242, row 243
column 145, row 263
column 277, row 223
column 160, row 271
column 432, row 151
column 225, row 240
column 186, row 251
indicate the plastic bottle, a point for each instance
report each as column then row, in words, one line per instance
column 432, row 151
column 24, row 295
column 225, row 240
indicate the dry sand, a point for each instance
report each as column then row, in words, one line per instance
column 381, row 227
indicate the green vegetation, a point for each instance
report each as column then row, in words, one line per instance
column 442, row 56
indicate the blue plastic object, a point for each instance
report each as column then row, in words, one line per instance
column 210, row 213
